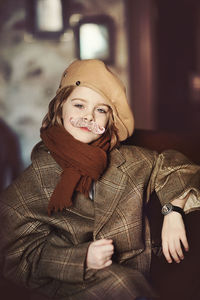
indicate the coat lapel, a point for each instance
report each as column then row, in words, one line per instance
column 108, row 190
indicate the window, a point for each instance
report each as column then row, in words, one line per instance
column 95, row 38
column 45, row 18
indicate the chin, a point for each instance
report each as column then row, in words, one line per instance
column 83, row 136
column 86, row 140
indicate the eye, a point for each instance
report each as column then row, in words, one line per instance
column 102, row 110
column 78, row 105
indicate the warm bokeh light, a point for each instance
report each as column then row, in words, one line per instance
column 49, row 15
column 94, row 41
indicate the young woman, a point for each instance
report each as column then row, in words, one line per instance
column 73, row 225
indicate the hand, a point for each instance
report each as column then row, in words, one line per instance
column 173, row 234
column 99, row 254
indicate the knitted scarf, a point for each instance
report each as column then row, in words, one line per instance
column 81, row 163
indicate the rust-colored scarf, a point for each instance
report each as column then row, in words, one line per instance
column 81, row 163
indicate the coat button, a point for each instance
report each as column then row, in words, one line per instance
column 78, row 82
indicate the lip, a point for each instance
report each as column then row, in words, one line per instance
column 85, row 128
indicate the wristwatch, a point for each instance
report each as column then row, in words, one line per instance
column 167, row 208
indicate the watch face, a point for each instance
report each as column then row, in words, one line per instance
column 167, row 208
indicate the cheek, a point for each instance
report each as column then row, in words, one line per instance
column 66, row 117
column 104, row 121
column 66, row 114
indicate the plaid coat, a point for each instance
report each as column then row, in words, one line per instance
column 48, row 253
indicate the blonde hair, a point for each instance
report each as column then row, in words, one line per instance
column 54, row 115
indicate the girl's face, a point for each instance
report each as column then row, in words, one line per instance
column 88, row 105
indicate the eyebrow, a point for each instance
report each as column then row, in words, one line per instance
column 101, row 104
column 78, row 99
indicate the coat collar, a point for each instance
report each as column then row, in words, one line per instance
column 43, row 162
column 116, row 158
column 108, row 189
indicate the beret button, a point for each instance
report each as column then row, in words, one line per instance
column 78, row 82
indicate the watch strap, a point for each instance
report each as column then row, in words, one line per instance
column 179, row 210
column 167, row 208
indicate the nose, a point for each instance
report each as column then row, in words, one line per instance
column 89, row 116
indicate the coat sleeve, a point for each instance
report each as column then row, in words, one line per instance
column 173, row 176
column 32, row 251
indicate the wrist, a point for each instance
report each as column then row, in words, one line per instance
column 169, row 207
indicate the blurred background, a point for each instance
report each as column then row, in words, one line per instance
column 153, row 45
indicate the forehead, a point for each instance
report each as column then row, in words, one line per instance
column 89, row 95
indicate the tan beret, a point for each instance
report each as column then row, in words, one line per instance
column 94, row 74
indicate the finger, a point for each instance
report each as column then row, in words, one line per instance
column 178, row 249
column 107, row 249
column 108, row 255
column 105, row 255
column 102, row 242
column 185, row 243
column 108, row 258
column 173, row 253
column 108, row 263
column 166, row 253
